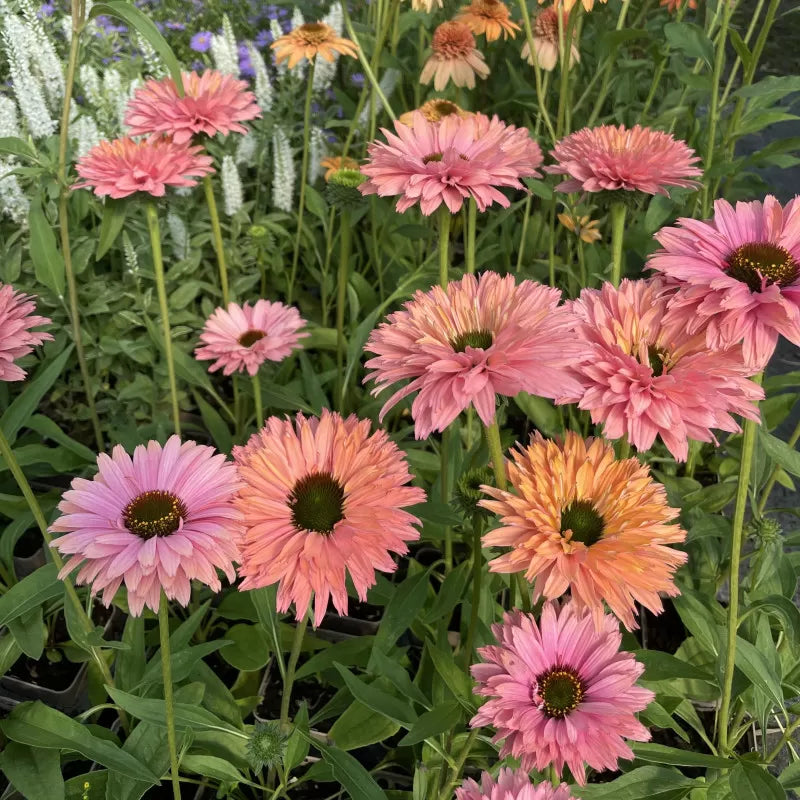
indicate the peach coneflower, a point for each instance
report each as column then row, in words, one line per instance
column 454, row 57
column 322, row 499
column 645, row 375
column 308, row 41
column 16, row 337
column 511, row 785
column 674, row 5
column 578, row 519
column 568, row 5
column 583, row 226
column 332, row 164
column 489, row 17
column 212, row 103
column 425, row 5
column 465, row 345
column 545, row 41
column 435, row 110
column 561, row 692
column 613, row 157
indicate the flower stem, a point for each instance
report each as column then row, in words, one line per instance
column 158, row 266
column 444, row 452
column 345, row 239
column 537, row 72
column 301, row 206
column 584, row 278
column 444, row 243
column 472, row 224
column 565, row 50
column 257, row 400
column 216, row 230
column 617, row 240
column 166, row 670
column 477, row 574
column 450, row 785
column 496, row 454
column 63, row 223
column 291, row 667
column 748, row 446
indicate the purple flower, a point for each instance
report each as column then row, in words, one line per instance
column 263, row 39
column 201, row 41
column 245, row 65
column 272, row 12
column 175, row 26
column 357, row 79
column 47, row 9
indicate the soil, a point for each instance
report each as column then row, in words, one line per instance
column 29, row 543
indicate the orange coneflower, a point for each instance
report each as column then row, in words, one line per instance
column 674, row 5
column 310, row 40
column 568, row 5
column 435, row 110
column 489, row 17
column 333, row 164
column 454, row 56
column 545, row 41
column 582, row 226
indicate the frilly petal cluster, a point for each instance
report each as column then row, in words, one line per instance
column 511, row 785
column 17, row 337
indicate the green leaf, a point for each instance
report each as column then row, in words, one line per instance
column 752, row 782
column 130, row 664
column 741, row 49
column 265, row 604
column 442, row 718
column 790, row 777
column 33, row 590
column 758, row 670
column 131, row 15
column 38, row 725
column 780, row 452
column 114, row 212
column 662, row 666
column 781, row 607
column 691, row 40
column 349, row 652
column 13, row 146
column 661, row 754
column 214, row 767
column 697, row 617
column 248, row 649
column 379, row 701
column 183, row 661
column 360, row 726
column 49, row 430
column 542, row 413
column 30, row 633
column 456, row 680
column 48, row 263
column 34, row 771
column 402, row 609
column 644, row 783
column 298, row 745
column 215, row 424
column 21, row 410
column 391, row 669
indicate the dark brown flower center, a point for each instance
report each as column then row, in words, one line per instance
column 314, row 33
column 480, row 340
column 317, row 503
column 561, row 690
column 444, row 108
column 756, row 260
column 154, row 513
column 582, row 519
column 657, row 357
column 249, row 338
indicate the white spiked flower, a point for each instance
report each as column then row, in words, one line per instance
column 179, row 235
column 335, row 18
column 224, row 49
column 232, row 194
column 131, row 259
column 388, row 84
column 90, row 83
column 317, row 150
column 84, row 129
column 277, row 32
column 283, row 176
column 14, row 202
column 246, row 149
column 297, row 21
column 261, row 81
column 9, row 119
column 154, row 64
column 42, row 55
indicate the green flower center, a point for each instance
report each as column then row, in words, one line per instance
column 432, row 157
column 317, row 503
column 752, row 262
column 582, row 519
column 480, row 340
column 249, row 338
column 561, row 691
column 154, row 513
column 657, row 356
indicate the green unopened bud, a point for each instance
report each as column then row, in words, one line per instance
column 468, row 492
column 766, row 531
column 342, row 189
column 267, row 746
column 257, row 232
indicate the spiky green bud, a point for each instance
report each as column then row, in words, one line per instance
column 342, row 190
column 267, row 746
column 468, row 492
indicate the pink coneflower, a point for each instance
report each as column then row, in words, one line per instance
column 244, row 337
column 454, row 57
column 511, row 785
column 157, row 521
column 431, row 163
column 480, row 338
column 17, row 338
column 613, row 157
column 322, row 499
column 580, row 519
column 644, row 376
column 519, row 151
column 124, row 167
column 212, row 103
column 561, row 692
column 739, row 273
column 545, row 41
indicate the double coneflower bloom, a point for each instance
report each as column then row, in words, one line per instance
column 545, row 41
column 511, row 785
column 490, row 18
column 310, row 40
column 454, row 57
column 17, row 338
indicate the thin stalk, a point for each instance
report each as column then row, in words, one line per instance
column 713, row 111
column 444, row 242
column 738, row 61
column 477, row 574
column 537, row 72
column 444, row 452
column 216, row 230
column 617, row 240
column 748, row 446
column 584, row 278
column 166, row 670
column 564, row 51
column 158, row 266
column 694, row 454
column 291, row 668
column 773, row 476
column 63, row 223
column 301, row 207
column 472, row 224
column 257, row 401
column 526, row 216
column 785, row 739
column 345, row 238
column 551, row 249
column 455, row 772
column 496, row 454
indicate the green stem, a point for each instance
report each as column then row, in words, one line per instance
column 523, row 233
column 551, row 248
column 345, row 239
column 537, row 72
column 63, row 222
column 785, row 739
column 455, row 772
column 564, row 50
column 584, row 278
column 694, row 454
column 617, row 240
column 158, row 266
column 444, row 242
column 169, row 706
column 301, row 207
column 496, row 454
column 773, row 476
column 748, row 446
column 738, row 61
column 216, row 230
column 472, row 224
column 257, row 401
column 444, row 484
column 291, row 668
column 477, row 574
